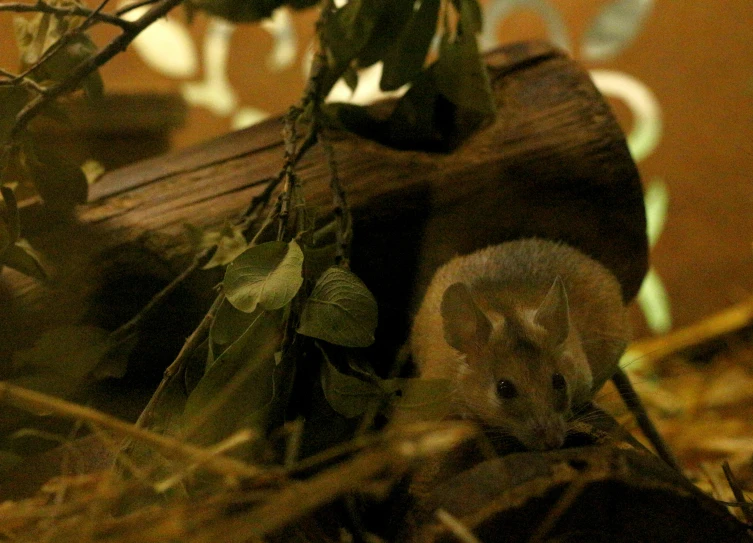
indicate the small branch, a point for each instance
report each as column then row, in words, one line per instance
column 397, row 453
column 129, row 327
column 7, row 74
column 75, row 11
column 176, row 367
column 290, row 137
column 120, row 43
column 738, row 492
column 458, row 529
column 636, row 407
column 651, row 351
column 59, row 44
column 564, row 502
column 35, row 402
column 343, row 217
column 260, row 201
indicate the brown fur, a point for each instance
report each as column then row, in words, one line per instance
column 508, row 283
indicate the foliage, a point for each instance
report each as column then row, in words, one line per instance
column 288, row 306
column 340, row 310
column 16, row 252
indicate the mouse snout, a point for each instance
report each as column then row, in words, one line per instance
column 548, row 433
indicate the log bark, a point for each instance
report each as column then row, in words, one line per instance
column 554, row 164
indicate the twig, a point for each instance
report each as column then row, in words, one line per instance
column 59, row 44
column 13, row 79
column 290, row 137
column 728, row 321
column 176, row 368
column 636, row 407
column 398, row 453
column 129, row 327
column 30, row 400
column 343, row 217
column 261, row 200
column 240, row 437
column 458, row 529
column 564, row 502
column 330, row 454
column 75, row 11
column 738, row 493
column 118, row 44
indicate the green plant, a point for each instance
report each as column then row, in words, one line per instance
column 289, row 308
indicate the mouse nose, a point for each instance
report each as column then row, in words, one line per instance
column 550, row 433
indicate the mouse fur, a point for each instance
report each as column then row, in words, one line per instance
column 524, row 331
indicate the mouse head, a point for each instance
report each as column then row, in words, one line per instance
column 520, row 366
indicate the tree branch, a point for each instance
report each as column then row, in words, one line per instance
column 75, row 11
column 120, row 43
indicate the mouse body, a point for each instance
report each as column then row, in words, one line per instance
column 524, row 331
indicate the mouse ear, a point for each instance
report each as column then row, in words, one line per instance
column 553, row 315
column 466, row 328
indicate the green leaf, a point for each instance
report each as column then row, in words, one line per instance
column 407, row 54
column 23, row 258
column 93, row 170
column 461, row 75
column 340, row 310
column 268, row 275
column 12, row 101
column 410, row 399
column 247, row 11
column 57, row 67
column 348, row 395
column 470, row 15
column 61, row 183
column 229, row 325
column 345, row 33
column 230, row 244
column 240, row 384
column 389, row 23
column 350, row 76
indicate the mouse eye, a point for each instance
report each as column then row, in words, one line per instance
column 506, row 389
column 558, row 382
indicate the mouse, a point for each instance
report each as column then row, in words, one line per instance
column 525, row 331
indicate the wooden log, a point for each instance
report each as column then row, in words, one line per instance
column 585, row 494
column 554, row 164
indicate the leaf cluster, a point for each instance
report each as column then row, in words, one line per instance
column 279, row 298
column 249, row 368
column 50, row 46
column 248, row 11
column 429, row 45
